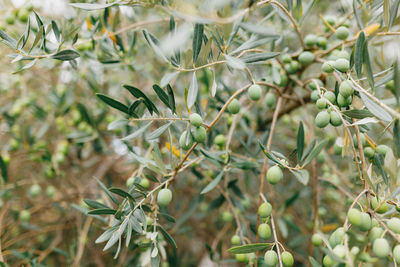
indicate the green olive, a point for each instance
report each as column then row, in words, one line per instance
column 241, row 257
column 322, row 42
column 346, row 89
column 369, row 152
column 200, row 134
column 234, row 106
column 24, row 215
column 342, row 64
column 35, row 190
column 254, row 92
column 164, row 197
column 339, row 251
column 271, row 258
column 235, row 240
column 274, row 174
column 354, row 216
column 381, row 248
column 220, row 140
column 314, row 96
column 375, row 233
column 379, row 206
column 328, row 66
column 321, row 103
column 306, row 58
column 330, row 96
column 365, row 222
column 317, row 240
column 286, row 58
column 335, row 119
column 382, row 149
column 264, row 231
column 310, row 40
column 186, row 142
column 227, row 216
column 313, row 86
column 50, row 191
column 396, row 254
column 394, row 225
column 195, row 119
column 287, row 259
column 265, row 209
column 328, row 261
column 342, row 33
column 270, row 100
column 322, row 119
column 145, row 183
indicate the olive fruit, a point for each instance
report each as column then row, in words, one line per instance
column 241, row 257
column 24, row 215
column 381, row 248
column 394, row 225
column 220, row 140
column 342, row 64
column 337, row 237
column 254, row 92
column 390, row 85
column 339, row 251
column 130, row 182
column 23, row 15
column 322, row 119
column 227, row 216
column 145, row 183
column 314, row 96
column 264, row 210
column 283, row 80
column 382, row 149
column 292, row 67
column 274, row 174
column 335, row 119
column 271, row 258
column 235, row 240
column 200, row 134
column 328, row 261
column 287, row 259
column 342, row 33
column 343, row 54
column 378, row 206
column 264, row 231
column 316, row 240
column 35, row 190
column 331, row 20
column 10, row 19
column 375, row 233
column 310, row 40
column 50, row 191
column 306, row 58
column 164, row 197
column 321, row 103
column 365, row 222
column 328, row 66
column 234, row 106
column 396, row 254
column 313, row 86
column 369, row 152
column 186, row 142
column 286, row 58
column 330, row 96
column 343, row 101
column 322, row 42
column 346, row 89
column 270, row 100
column 354, row 216
column 195, row 119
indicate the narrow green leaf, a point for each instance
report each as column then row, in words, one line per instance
column 104, row 188
column 396, row 80
column 139, row 94
column 367, row 64
column 269, row 155
column 91, row 7
column 113, row 103
column 359, row 54
column 167, row 236
column 171, row 98
column 358, row 113
column 117, row 124
column 375, row 109
column 167, row 217
column 300, row 142
column 162, row 95
column 138, row 132
column 102, row 211
column 66, row 55
column 248, row 59
column 235, row 63
column 302, row 175
column 3, row 168
column 121, row 193
column 313, row 262
column 154, row 43
column 379, row 161
column 38, row 37
column 396, row 136
column 393, row 12
column 213, row 183
column 95, row 204
column 155, row 134
column 8, row 40
column 249, row 248
column 386, row 12
column 168, row 78
column 314, row 152
column 197, row 40
column 193, row 91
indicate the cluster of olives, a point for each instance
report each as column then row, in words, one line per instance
column 18, row 14
column 199, row 134
column 143, row 182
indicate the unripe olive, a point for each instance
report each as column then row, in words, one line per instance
column 23, row 15
column 130, row 182
column 254, row 92
column 328, row 262
column 284, row 80
column 381, row 248
column 241, row 257
column 274, row 174
column 337, row 237
column 10, row 19
column 164, row 197
column 270, row 100
column 394, row 225
column 321, row 103
column 322, row 42
column 271, row 258
column 235, row 240
column 195, row 119
column 220, row 140
column 331, row 20
column 287, row 259
column 200, row 134
column 346, row 89
column 264, row 231
column 378, row 206
column 317, row 240
column 265, row 209
column 396, row 254
column 375, row 233
column 335, row 119
column 24, row 215
column 310, row 40
column 313, row 86
column 292, row 67
column 354, row 216
column 322, row 119
column 184, row 143
column 227, row 216
column 328, row 66
column 344, row 101
column 286, row 58
column 390, row 85
column 234, row 106
column 314, row 96
column 145, row 183
column 365, row 222
column 330, row 96
column 149, row 221
column 382, row 149
column 321, row 158
column 35, row 190
column 50, row 191
column 339, row 251
column 343, row 54
column 342, row 33
column 306, row 58
column 342, row 64
column 369, row 152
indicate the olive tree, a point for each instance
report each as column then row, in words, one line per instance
column 192, row 133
